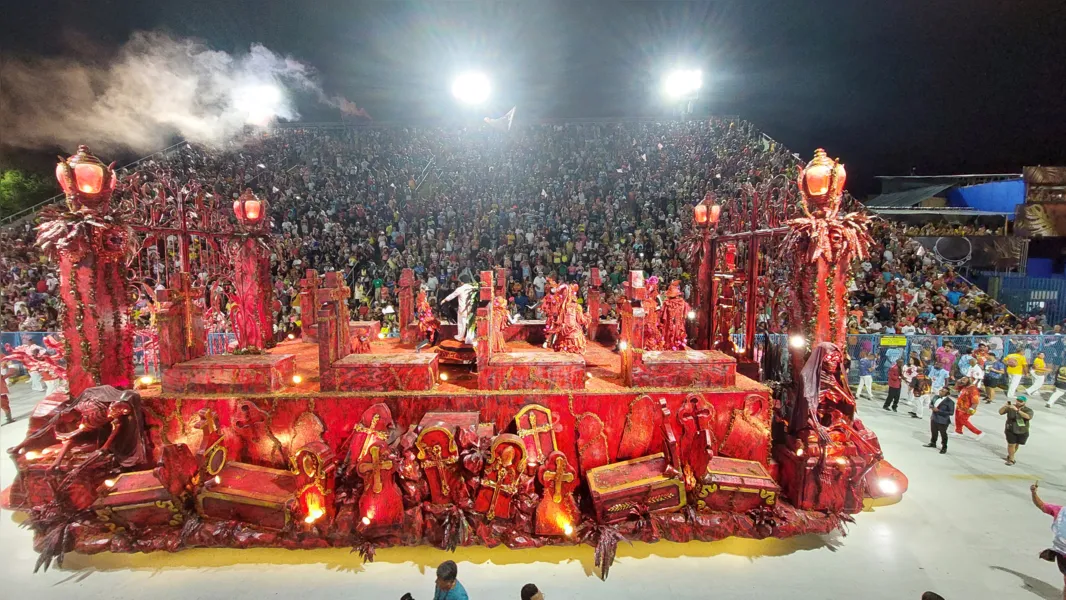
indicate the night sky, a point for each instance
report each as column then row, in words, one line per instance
column 948, row 86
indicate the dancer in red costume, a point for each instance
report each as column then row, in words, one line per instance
column 653, row 335
column 428, row 325
column 570, row 323
column 966, row 406
column 675, row 312
column 549, row 305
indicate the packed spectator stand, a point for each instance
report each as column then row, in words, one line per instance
column 546, row 200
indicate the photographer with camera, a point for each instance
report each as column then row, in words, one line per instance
column 1017, row 427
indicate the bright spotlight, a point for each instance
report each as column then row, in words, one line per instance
column 797, row 341
column 680, row 83
column 691, row 315
column 471, row 88
column 258, row 103
column 888, row 487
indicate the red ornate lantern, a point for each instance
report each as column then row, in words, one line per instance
column 249, row 209
column 85, row 180
column 822, row 176
column 707, row 212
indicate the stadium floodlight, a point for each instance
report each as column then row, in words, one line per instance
column 471, row 88
column 682, row 83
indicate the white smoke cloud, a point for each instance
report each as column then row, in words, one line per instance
column 155, row 87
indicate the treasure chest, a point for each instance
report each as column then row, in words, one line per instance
column 137, row 499
column 637, row 484
column 735, row 485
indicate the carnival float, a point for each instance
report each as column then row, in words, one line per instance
column 571, row 430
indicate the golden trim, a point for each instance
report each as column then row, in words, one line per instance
column 250, row 467
column 210, row 454
column 230, row 493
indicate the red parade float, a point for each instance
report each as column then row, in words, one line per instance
column 345, row 439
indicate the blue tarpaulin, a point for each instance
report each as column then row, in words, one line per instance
column 997, row 196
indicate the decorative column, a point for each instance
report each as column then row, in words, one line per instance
column 406, row 317
column 631, row 335
column 309, row 305
column 91, row 247
column 336, row 293
column 705, row 215
column 822, row 244
column 252, row 316
column 595, row 296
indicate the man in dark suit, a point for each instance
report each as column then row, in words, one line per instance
column 943, row 407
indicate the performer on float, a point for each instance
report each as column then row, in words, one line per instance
column 465, row 294
column 549, row 306
column 501, row 318
column 675, row 314
column 428, row 325
column 653, row 335
column 570, row 323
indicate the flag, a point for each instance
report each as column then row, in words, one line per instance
column 503, row 123
column 644, row 157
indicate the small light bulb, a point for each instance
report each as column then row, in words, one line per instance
column 218, row 479
column 588, row 374
column 691, row 315
column 568, row 529
column 366, row 520
column 797, row 341
column 799, row 451
column 622, row 345
column 109, row 482
column 291, row 336
column 381, row 336
column 147, row 380
column 841, row 460
column 31, row 455
column 297, row 379
column 444, row 377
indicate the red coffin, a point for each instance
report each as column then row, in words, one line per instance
column 618, row 488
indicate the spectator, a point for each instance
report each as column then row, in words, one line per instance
column 1017, row 366
column 1060, row 387
column 894, row 384
column 995, row 377
column 447, row 585
column 1017, row 428
column 920, row 394
column 1039, row 373
column 530, row 592
column 938, row 377
column 866, row 375
column 943, row 407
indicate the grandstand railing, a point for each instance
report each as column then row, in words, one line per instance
column 888, row 348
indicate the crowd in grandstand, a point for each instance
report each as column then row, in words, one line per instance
column 945, row 228
column 545, row 201
column 901, row 289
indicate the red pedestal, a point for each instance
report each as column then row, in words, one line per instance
column 686, row 368
column 230, row 374
column 382, row 373
column 535, row 371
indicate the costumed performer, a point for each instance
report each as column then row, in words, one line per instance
column 465, row 294
column 675, row 314
column 428, row 325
